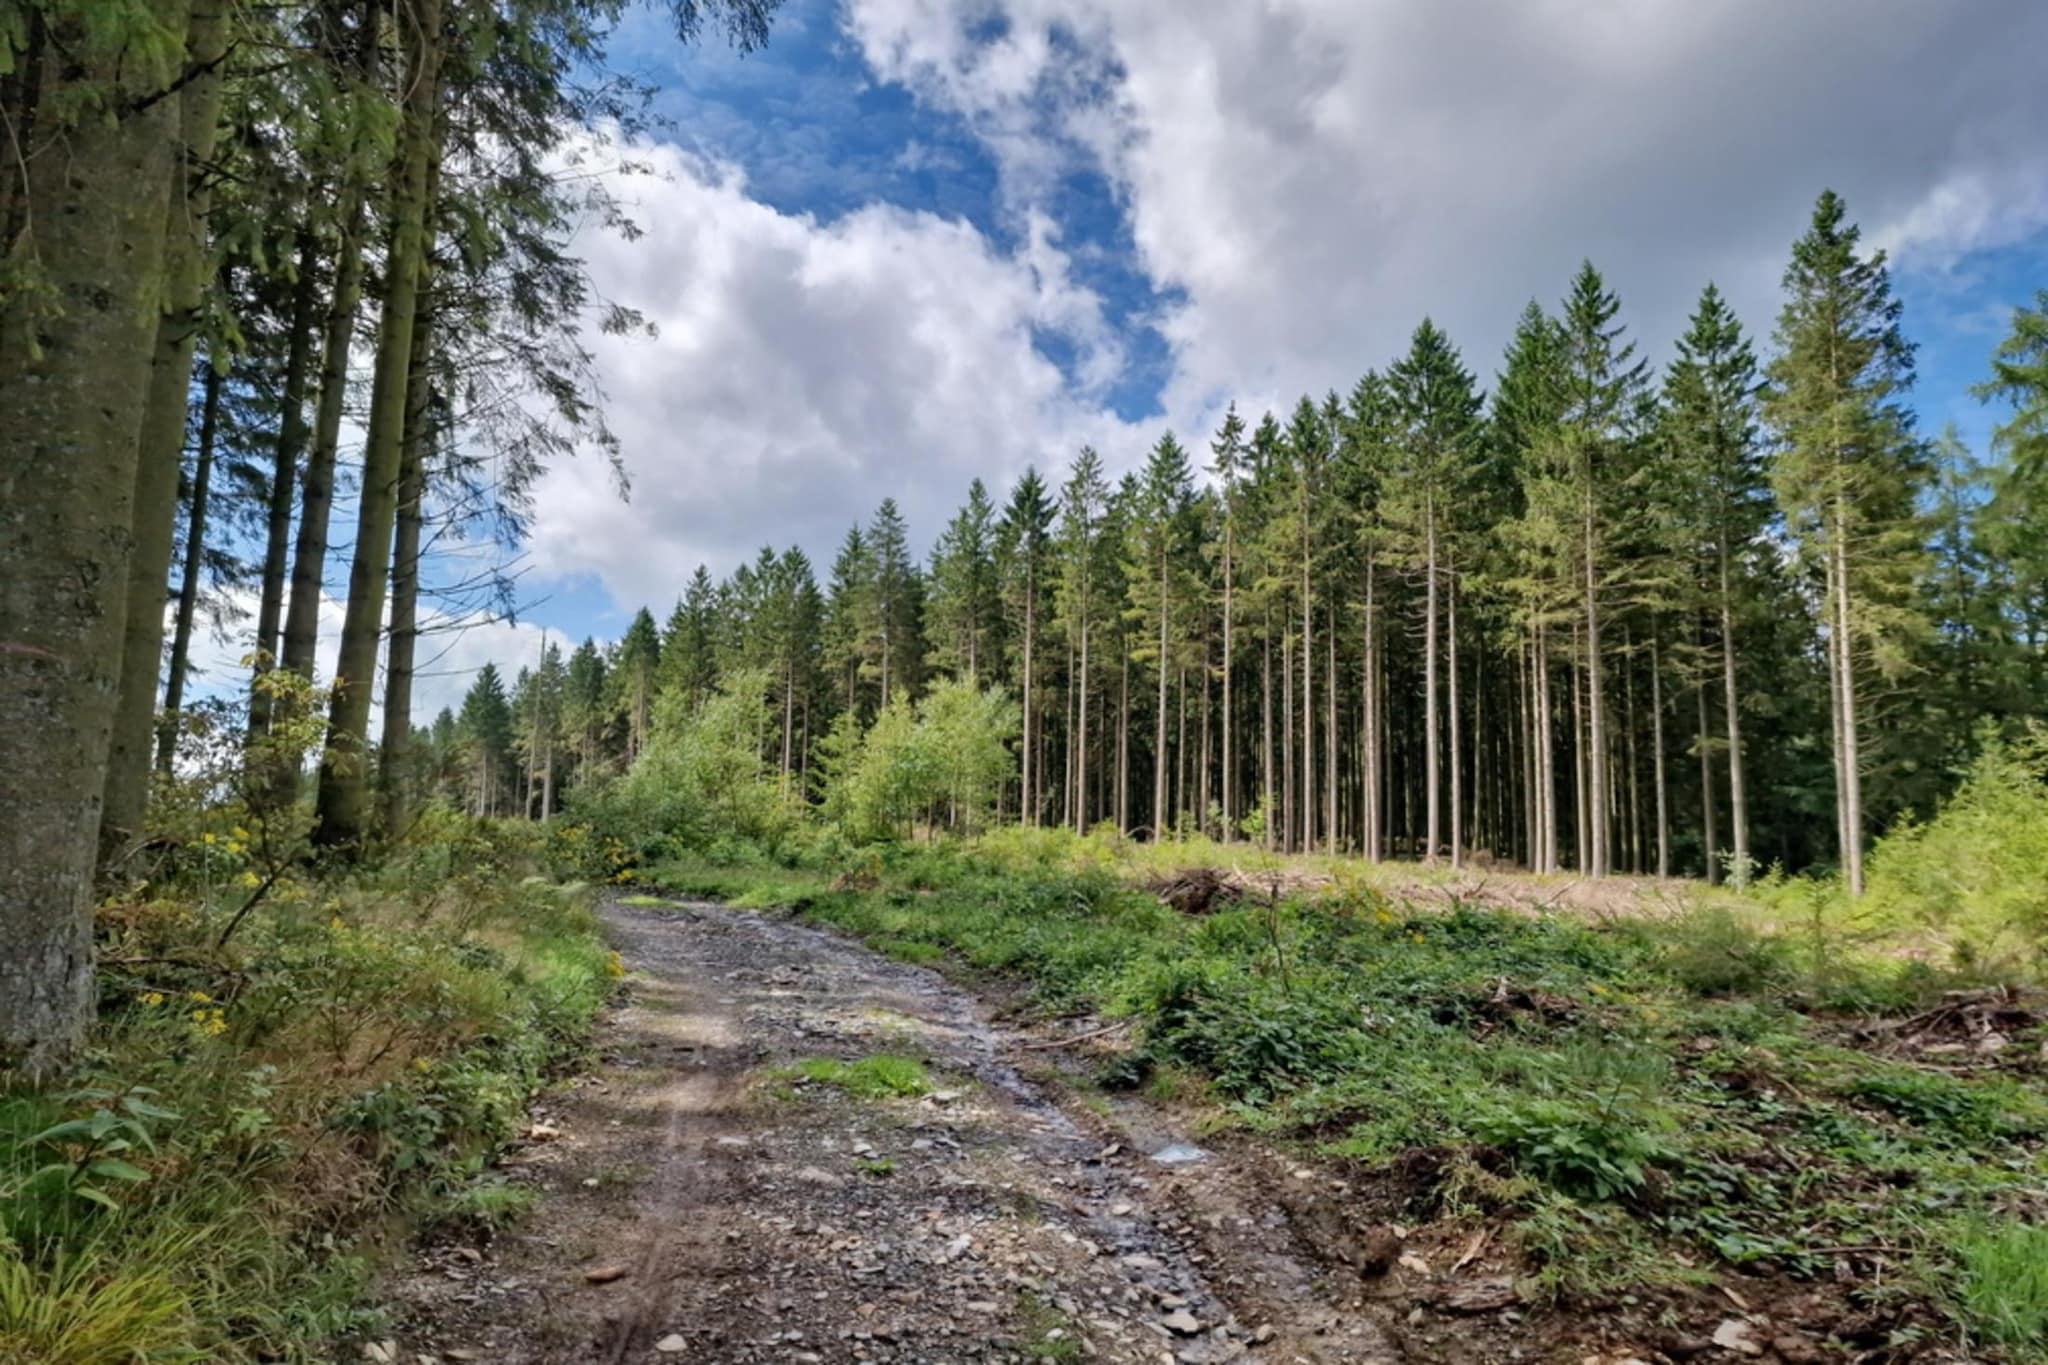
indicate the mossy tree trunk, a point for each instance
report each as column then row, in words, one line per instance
column 83, row 269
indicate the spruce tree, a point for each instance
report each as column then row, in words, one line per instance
column 1848, row 477
column 1710, row 440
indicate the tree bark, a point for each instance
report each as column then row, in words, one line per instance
column 284, row 476
column 1738, row 800
column 188, row 587
column 394, row 750
column 186, row 274
column 301, row 635
column 88, row 217
column 344, row 788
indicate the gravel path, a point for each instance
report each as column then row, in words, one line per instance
column 699, row 1204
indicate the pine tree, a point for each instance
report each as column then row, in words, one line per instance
column 1084, row 502
column 1848, row 477
column 1437, row 411
column 1023, row 548
column 1709, row 435
column 963, row 619
column 486, row 729
column 1156, row 574
column 635, row 676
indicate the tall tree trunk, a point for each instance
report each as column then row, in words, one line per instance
column 1027, row 803
column 343, row 799
column 1330, row 831
column 186, row 273
column 1710, row 840
column 1738, row 799
column 1308, row 706
column 1159, row 812
column 1657, row 759
column 1432, row 725
column 1852, row 770
column 1370, row 779
column 74, row 367
column 1266, row 802
column 316, row 504
column 284, row 475
column 396, row 744
column 1229, row 712
column 1457, row 749
column 1081, row 741
column 188, row 585
column 1597, row 802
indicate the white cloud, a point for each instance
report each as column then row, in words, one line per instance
column 1316, row 175
column 449, row 654
column 803, row 371
column 1304, row 178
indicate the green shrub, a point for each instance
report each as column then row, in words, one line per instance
column 1713, row 951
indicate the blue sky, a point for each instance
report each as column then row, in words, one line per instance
column 916, row 242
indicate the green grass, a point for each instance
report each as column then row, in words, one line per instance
column 881, row 1076
column 351, row 1060
column 2004, row 1282
column 1639, row 1102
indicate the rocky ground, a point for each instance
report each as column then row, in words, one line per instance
column 701, row 1202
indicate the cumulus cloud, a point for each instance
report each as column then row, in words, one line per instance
column 1316, row 175
column 1301, row 182
column 803, row 370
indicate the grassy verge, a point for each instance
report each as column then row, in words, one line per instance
column 201, row 1187
column 1642, row 1105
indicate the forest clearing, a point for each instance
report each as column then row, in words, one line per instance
column 1377, row 828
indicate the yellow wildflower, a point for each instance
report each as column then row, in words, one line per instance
column 1418, row 938
column 201, row 997
column 249, row 879
column 153, row 999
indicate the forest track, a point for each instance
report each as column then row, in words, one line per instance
column 697, row 1204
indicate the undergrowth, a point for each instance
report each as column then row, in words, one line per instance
column 269, row 1081
column 1636, row 1100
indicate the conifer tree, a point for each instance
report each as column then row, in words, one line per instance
column 1848, row 477
column 1023, row 548
column 1710, row 440
column 1437, row 411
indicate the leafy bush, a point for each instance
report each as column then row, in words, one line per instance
column 1712, row 951
column 1979, row 869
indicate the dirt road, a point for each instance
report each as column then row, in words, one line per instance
column 700, row 1203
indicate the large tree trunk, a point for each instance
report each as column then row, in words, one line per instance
column 188, row 586
column 284, row 476
column 344, row 788
column 74, row 367
column 186, row 250
column 393, row 751
column 301, row 635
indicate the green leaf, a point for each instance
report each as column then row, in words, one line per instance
column 113, row 1168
